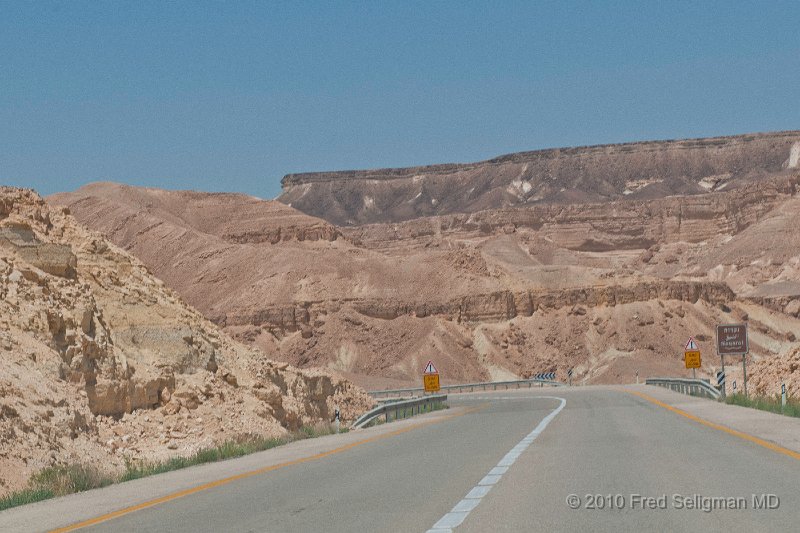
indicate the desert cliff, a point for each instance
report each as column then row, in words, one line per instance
column 101, row 363
column 610, row 282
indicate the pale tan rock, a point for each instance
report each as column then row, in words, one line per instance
column 655, row 241
column 102, row 354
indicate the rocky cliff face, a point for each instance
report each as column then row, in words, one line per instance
column 100, row 362
column 593, row 174
column 599, row 227
column 606, row 288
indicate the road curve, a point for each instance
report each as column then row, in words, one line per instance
column 642, row 463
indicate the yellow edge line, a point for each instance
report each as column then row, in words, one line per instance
column 225, row 481
column 755, row 440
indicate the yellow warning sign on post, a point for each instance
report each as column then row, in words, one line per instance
column 430, row 378
column 692, row 359
column 431, row 382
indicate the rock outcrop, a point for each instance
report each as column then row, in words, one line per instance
column 100, row 362
column 600, row 227
column 591, row 174
column 602, row 259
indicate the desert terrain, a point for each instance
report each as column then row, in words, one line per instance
column 601, row 259
column 102, row 364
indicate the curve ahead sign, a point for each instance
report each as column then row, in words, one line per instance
column 732, row 339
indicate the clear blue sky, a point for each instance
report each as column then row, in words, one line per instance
column 232, row 96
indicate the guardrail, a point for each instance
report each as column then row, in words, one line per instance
column 470, row 387
column 406, row 407
column 696, row 387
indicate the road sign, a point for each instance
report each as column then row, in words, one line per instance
column 569, row 372
column 732, row 339
column 430, row 378
column 721, row 378
column 691, row 346
column 692, row 359
column 545, row 375
column 430, row 369
column 431, row 382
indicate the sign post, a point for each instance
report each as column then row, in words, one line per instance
column 430, row 378
column 783, row 396
column 732, row 340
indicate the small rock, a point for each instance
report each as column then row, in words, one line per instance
column 171, row 408
column 792, row 308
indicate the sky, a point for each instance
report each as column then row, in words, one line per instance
column 232, row 96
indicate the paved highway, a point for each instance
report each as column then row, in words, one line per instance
column 507, row 461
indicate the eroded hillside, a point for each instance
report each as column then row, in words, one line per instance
column 588, row 174
column 610, row 287
column 101, row 363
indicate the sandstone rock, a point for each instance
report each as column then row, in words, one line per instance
column 96, row 342
column 171, row 408
column 792, row 308
column 165, row 396
column 592, row 173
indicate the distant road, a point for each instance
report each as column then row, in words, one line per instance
column 618, row 447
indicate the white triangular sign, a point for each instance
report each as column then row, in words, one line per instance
column 430, row 369
column 691, row 346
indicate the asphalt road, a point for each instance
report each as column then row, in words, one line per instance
column 626, row 452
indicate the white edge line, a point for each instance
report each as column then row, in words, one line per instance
column 461, row 510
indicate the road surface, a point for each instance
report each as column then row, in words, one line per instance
column 638, row 463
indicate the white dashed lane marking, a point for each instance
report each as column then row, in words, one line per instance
column 462, row 509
